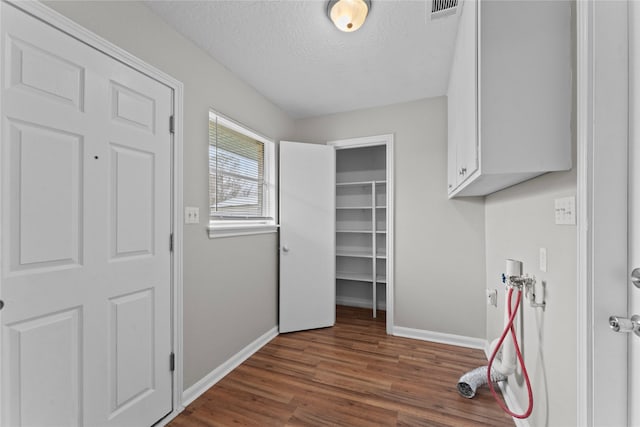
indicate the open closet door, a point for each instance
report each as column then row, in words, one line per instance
column 307, row 236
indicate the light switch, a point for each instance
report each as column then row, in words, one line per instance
column 565, row 211
column 543, row 259
column 191, row 215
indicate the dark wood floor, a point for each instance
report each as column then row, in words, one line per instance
column 350, row 375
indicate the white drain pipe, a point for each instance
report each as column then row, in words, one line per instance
column 503, row 366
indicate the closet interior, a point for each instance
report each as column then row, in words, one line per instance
column 361, row 227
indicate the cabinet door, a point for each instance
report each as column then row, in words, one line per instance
column 307, row 236
column 463, row 100
column 452, row 146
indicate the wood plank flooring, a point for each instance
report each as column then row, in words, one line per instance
column 350, row 375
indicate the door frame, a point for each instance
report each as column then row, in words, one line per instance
column 602, row 170
column 61, row 22
column 387, row 141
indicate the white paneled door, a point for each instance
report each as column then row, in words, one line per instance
column 86, row 263
column 307, row 236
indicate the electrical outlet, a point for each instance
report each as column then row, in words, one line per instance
column 492, row 297
column 543, row 260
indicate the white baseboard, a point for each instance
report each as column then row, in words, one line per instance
column 439, row 337
column 358, row 302
column 509, row 397
column 193, row 392
column 512, row 403
column 166, row 420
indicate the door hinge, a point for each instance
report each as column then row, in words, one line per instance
column 172, row 124
column 171, row 242
column 172, row 362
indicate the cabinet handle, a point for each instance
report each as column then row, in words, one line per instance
column 462, row 171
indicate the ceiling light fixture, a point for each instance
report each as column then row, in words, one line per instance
column 348, row 15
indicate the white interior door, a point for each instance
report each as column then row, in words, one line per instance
column 85, row 158
column 307, row 236
column 634, row 207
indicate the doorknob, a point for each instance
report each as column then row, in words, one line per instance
column 635, row 277
column 623, row 324
column 285, row 248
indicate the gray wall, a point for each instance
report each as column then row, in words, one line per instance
column 519, row 221
column 227, row 305
column 439, row 244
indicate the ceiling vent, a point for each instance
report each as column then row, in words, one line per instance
column 442, row 8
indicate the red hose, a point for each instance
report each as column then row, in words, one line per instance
column 509, row 328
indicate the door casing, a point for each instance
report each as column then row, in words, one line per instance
column 602, row 272
column 634, row 208
column 64, row 24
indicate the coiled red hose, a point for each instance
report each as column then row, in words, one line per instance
column 511, row 312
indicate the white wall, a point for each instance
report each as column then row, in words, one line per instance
column 227, row 305
column 519, row 221
column 439, row 243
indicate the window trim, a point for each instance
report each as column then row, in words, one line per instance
column 243, row 227
column 229, row 230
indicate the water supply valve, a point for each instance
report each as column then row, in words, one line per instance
column 518, row 282
column 526, row 284
column 512, row 277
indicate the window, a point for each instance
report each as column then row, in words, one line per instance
column 241, row 180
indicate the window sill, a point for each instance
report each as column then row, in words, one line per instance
column 217, row 231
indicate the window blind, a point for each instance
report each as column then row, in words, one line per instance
column 236, row 174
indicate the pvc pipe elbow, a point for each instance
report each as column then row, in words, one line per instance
column 505, row 362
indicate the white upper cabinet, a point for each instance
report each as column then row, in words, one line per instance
column 463, row 101
column 509, row 96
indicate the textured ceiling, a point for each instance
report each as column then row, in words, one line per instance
column 291, row 53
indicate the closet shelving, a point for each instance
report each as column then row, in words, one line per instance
column 361, row 233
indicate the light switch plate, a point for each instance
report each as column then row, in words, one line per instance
column 191, row 215
column 565, row 211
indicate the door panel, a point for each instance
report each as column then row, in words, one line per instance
column 131, row 358
column 307, row 236
column 46, row 403
column 45, row 177
column 86, row 210
column 63, row 82
column 133, row 108
column 132, row 190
